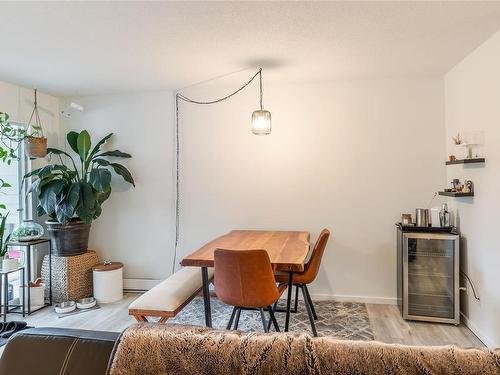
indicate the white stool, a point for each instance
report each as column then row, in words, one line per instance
column 108, row 282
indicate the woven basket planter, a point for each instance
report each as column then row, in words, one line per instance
column 71, row 276
column 35, row 147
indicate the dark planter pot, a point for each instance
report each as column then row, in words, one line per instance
column 70, row 239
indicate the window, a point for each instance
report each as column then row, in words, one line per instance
column 14, row 197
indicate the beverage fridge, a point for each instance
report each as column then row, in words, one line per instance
column 428, row 275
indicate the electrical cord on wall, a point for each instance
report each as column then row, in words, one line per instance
column 476, row 295
column 178, row 97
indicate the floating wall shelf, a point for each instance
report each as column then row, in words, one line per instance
column 466, row 161
column 455, row 194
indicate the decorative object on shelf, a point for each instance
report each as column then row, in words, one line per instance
column 35, row 143
column 457, row 139
column 28, row 230
column 452, row 158
column 435, row 217
column 444, row 216
column 406, row 219
column 261, row 125
column 108, row 282
column 468, row 187
column 36, row 292
column 455, row 185
column 71, row 276
column 9, row 264
column 422, row 217
column 73, row 198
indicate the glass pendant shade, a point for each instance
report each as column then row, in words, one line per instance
column 261, row 122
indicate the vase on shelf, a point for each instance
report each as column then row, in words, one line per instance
column 28, row 230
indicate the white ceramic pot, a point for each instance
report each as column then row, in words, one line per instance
column 37, row 296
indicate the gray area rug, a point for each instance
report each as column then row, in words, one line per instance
column 342, row 320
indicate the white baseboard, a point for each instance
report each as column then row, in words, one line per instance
column 480, row 334
column 349, row 298
column 139, row 285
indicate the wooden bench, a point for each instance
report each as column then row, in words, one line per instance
column 170, row 296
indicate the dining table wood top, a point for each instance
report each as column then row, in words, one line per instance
column 287, row 249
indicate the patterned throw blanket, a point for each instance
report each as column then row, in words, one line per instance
column 148, row 348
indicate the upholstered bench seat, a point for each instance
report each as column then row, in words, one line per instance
column 169, row 297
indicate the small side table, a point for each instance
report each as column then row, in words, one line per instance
column 4, row 284
column 29, row 246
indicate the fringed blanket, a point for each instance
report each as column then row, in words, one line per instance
column 148, row 348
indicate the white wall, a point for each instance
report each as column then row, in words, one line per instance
column 472, row 91
column 349, row 156
column 136, row 223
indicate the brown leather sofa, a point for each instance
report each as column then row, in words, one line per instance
column 49, row 351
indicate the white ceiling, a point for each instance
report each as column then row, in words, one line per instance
column 85, row 48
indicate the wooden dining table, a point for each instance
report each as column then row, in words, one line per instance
column 287, row 251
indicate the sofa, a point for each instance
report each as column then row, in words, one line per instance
column 151, row 348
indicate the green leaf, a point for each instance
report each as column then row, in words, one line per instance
column 100, row 179
column 102, row 162
column 124, row 172
column 116, row 154
column 101, row 197
column 97, row 210
column 97, row 147
column 48, row 195
column 67, row 204
column 40, row 211
column 72, row 138
column 34, row 186
column 5, row 185
column 3, row 206
column 85, row 208
column 83, row 144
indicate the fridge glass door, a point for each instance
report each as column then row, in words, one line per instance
column 431, row 277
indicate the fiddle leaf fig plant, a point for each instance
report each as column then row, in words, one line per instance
column 67, row 193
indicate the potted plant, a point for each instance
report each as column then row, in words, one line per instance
column 72, row 197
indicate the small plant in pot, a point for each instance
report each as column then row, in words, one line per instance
column 72, row 197
column 35, row 143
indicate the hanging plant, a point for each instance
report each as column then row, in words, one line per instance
column 35, row 142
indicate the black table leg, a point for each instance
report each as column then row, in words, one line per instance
column 50, row 273
column 206, row 297
column 28, row 276
column 23, row 280
column 288, row 300
column 5, row 279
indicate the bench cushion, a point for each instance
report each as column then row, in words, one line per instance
column 172, row 293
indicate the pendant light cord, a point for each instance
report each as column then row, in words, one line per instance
column 178, row 97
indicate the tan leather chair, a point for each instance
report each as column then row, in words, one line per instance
column 300, row 280
column 245, row 279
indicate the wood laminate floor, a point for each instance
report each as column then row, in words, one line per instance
column 385, row 320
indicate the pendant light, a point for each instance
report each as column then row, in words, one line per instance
column 261, row 119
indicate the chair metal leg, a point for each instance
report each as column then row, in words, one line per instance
column 237, row 321
column 273, row 319
column 264, row 323
column 309, row 311
column 295, row 307
column 231, row 319
column 311, row 302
